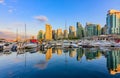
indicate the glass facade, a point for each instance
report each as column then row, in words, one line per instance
column 113, row 22
column 92, row 30
column 79, row 31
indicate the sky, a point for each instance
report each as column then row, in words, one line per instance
column 14, row 14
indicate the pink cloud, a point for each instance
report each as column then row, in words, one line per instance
column 7, row 34
column 41, row 18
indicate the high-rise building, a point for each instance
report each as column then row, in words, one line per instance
column 65, row 34
column 79, row 31
column 98, row 28
column 72, row 32
column 59, row 34
column 48, row 33
column 41, row 35
column 54, row 34
column 104, row 30
column 92, row 29
column 113, row 22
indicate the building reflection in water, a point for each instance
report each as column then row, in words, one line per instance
column 65, row 50
column 92, row 54
column 113, row 61
column 80, row 53
column 59, row 51
column 49, row 54
column 72, row 52
column 112, row 56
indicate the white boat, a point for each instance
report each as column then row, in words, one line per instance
column 73, row 45
column 9, row 46
column 106, row 44
column 96, row 44
column 48, row 46
column 101, row 44
column 58, row 44
column 80, row 43
column 30, row 45
column 117, row 44
column 66, row 44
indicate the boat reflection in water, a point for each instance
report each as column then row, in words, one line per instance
column 61, row 63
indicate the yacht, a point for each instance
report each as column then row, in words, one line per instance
column 66, row 44
column 58, row 43
column 30, row 45
column 116, row 44
column 73, row 45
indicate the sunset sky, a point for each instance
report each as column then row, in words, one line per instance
column 14, row 14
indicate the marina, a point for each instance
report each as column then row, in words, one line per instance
column 5, row 46
column 59, row 39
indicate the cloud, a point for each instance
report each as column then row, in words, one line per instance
column 18, row 24
column 1, row 1
column 10, row 10
column 7, row 34
column 41, row 65
column 41, row 18
column 14, row 1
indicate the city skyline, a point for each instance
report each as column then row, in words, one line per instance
column 35, row 14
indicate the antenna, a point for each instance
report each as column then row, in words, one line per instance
column 65, row 25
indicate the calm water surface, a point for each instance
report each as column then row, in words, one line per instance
column 61, row 63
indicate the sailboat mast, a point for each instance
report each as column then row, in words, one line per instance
column 25, row 33
column 17, row 35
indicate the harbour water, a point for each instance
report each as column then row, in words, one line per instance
column 61, row 63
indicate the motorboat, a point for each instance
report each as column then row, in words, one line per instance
column 96, row 43
column 73, row 45
column 29, row 45
column 8, row 46
column 117, row 44
column 101, row 43
column 48, row 46
column 106, row 44
column 66, row 44
column 58, row 44
column 80, row 43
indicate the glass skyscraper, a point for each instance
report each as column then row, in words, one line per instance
column 113, row 22
column 79, row 31
column 92, row 29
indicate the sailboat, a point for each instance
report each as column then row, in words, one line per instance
column 29, row 45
